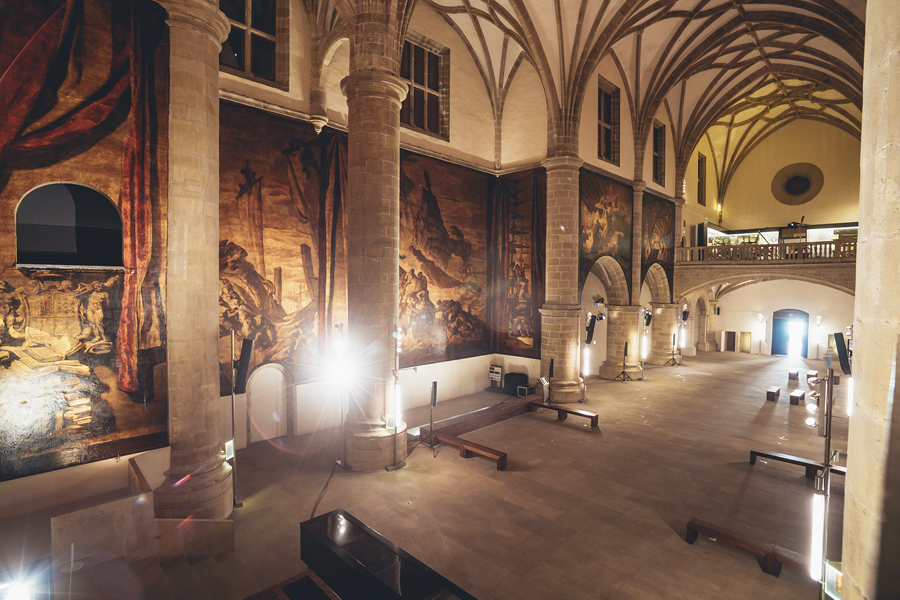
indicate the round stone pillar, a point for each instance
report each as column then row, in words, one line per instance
column 637, row 240
column 373, row 266
column 663, row 332
column 623, row 326
column 562, row 320
column 710, row 342
column 869, row 497
column 198, row 482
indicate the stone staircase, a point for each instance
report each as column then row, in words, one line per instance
column 207, row 578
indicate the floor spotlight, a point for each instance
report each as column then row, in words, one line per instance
column 812, row 422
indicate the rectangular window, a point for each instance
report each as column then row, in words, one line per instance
column 659, row 153
column 608, row 122
column 252, row 45
column 701, row 180
column 422, row 69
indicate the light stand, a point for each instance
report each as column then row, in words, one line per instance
column 823, row 492
column 623, row 376
column 431, row 406
column 342, row 461
column 672, row 361
column 234, row 369
column 398, row 334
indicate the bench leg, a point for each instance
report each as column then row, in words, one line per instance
column 811, row 472
column 770, row 565
column 752, row 458
column 501, row 463
column 465, row 452
column 561, row 415
column 691, row 535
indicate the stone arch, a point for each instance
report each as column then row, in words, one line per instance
column 611, row 275
column 658, row 283
column 750, row 276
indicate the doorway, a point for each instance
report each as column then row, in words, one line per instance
column 267, row 407
column 790, row 333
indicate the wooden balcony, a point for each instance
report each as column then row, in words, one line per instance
column 817, row 252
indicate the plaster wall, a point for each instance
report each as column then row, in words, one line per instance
column 524, row 123
column 338, row 68
column 587, row 129
column 739, row 311
column 749, row 202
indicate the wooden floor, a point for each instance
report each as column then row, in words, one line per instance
column 579, row 514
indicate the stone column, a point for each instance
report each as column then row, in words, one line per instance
column 623, row 324
column 198, row 482
column 679, row 225
column 562, row 321
column 637, row 240
column 662, row 329
column 373, row 265
column 877, row 322
column 711, row 341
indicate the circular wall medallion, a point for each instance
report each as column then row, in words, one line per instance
column 797, row 183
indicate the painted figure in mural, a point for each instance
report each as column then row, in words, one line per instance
column 94, row 314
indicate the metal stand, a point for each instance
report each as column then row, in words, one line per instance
column 396, row 465
column 234, row 367
column 623, row 376
column 674, row 360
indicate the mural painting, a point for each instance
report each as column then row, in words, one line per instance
column 606, row 216
column 82, row 349
column 282, row 274
column 658, row 235
column 444, row 283
column 518, row 231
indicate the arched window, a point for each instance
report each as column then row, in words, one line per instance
column 68, row 224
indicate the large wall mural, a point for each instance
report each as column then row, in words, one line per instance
column 518, row 258
column 606, row 217
column 82, row 350
column 658, row 236
column 444, row 281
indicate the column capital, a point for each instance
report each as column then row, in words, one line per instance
column 552, row 163
column 379, row 84
column 626, row 308
column 639, row 186
column 201, row 16
column 679, row 201
column 665, row 305
column 560, row 310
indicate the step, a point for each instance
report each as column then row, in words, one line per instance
column 184, row 582
column 216, row 579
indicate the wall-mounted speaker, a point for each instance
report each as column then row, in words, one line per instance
column 551, row 367
column 647, row 318
column 842, row 353
column 243, row 367
column 684, row 315
column 590, row 328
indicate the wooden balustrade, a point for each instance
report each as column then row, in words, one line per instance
column 800, row 252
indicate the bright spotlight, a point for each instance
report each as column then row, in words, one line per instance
column 16, row 590
column 812, row 408
column 818, row 537
column 812, row 422
column 849, row 397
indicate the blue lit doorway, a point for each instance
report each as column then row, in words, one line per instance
column 790, row 332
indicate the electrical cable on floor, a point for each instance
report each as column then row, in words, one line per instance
column 322, row 493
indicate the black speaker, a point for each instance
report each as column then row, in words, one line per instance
column 842, row 353
column 512, row 381
column 684, row 315
column 626, row 348
column 647, row 318
column 434, row 393
column 551, row 367
column 590, row 328
column 243, row 367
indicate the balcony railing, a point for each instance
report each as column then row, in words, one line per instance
column 799, row 252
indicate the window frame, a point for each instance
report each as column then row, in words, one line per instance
column 701, row 179
column 608, row 95
column 658, row 147
column 280, row 39
column 441, row 54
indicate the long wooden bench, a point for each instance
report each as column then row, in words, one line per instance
column 812, row 466
column 562, row 413
column 466, row 448
column 771, row 557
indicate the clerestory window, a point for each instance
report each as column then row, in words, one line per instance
column 425, row 68
column 659, row 153
column 608, row 122
column 256, row 44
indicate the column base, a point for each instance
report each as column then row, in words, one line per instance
column 205, row 494
column 566, row 392
column 659, row 359
column 374, row 449
column 612, row 371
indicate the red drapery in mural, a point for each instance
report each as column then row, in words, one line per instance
column 34, row 76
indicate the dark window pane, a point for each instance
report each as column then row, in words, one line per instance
column 263, row 16
column 434, row 114
column 607, row 143
column 233, row 9
column 232, row 54
column 404, row 111
column 419, row 108
column 404, row 61
column 262, row 57
column 418, row 65
column 434, row 71
column 607, row 108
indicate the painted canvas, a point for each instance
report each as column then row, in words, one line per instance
column 82, row 348
column 658, row 235
column 444, row 281
column 518, row 258
column 606, row 217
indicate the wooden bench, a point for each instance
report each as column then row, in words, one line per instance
column 837, row 379
column 466, row 448
column 765, row 551
column 773, row 393
column 795, row 374
column 812, row 466
column 562, row 413
column 797, row 396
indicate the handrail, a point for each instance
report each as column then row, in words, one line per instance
column 798, row 252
